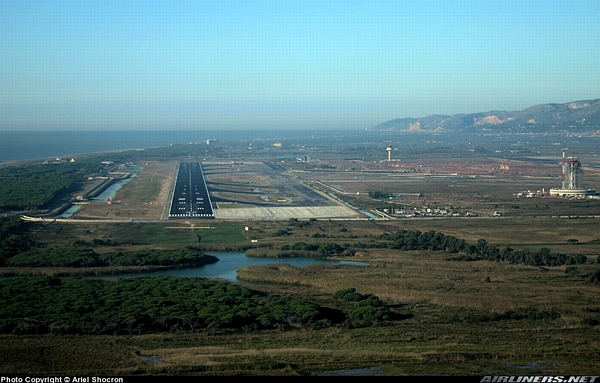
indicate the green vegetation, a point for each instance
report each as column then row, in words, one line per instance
column 216, row 236
column 281, row 232
column 156, row 257
column 265, row 252
column 88, row 258
column 369, row 309
column 295, row 222
column 520, row 313
column 301, row 249
column 94, row 306
column 408, row 240
column 56, row 258
column 35, row 186
column 12, row 238
column 452, row 320
column 543, row 257
column 379, row 195
column 594, row 277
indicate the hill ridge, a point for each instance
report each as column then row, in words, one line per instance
column 579, row 115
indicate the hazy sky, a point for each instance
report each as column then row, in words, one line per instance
column 287, row 64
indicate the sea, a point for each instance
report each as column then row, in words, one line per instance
column 31, row 145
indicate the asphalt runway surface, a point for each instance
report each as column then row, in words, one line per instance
column 190, row 198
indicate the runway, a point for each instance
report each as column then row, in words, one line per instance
column 190, row 196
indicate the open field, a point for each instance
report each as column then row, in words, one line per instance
column 475, row 186
column 143, row 197
column 539, row 231
column 141, row 235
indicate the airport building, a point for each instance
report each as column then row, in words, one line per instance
column 571, row 184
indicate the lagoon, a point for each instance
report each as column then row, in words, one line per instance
column 227, row 265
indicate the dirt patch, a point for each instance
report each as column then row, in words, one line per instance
column 144, row 197
column 252, row 180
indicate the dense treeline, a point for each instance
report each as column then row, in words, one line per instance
column 34, row 186
column 322, row 249
column 369, row 309
column 9, row 225
column 543, row 257
column 157, row 258
column 433, row 241
column 137, row 305
column 12, row 239
column 522, row 313
column 89, row 258
column 56, row 258
column 406, row 240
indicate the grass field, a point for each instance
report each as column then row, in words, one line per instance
column 142, row 235
column 143, row 197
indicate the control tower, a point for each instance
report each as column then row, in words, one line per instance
column 571, row 179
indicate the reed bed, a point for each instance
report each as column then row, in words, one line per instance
column 425, row 277
column 438, row 302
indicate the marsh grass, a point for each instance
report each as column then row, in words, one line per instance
column 426, row 277
column 428, row 342
column 438, row 303
column 149, row 185
column 55, row 354
column 276, row 253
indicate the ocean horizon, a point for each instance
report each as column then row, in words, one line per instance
column 33, row 144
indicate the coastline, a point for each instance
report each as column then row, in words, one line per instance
column 33, row 145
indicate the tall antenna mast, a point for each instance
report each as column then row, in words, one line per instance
column 564, row 168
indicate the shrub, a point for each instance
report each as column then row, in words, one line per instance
column 594, row 277
column 571, row 270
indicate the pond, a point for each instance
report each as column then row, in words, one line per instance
column 227, row 265
column 107, row 194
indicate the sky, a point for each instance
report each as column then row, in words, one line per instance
column 254, row 64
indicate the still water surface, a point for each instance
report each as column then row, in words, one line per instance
column 227, row 265
column 107, row 194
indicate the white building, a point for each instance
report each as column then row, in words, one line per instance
column 571, row 184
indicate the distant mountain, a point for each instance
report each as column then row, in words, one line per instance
column 574, row 116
